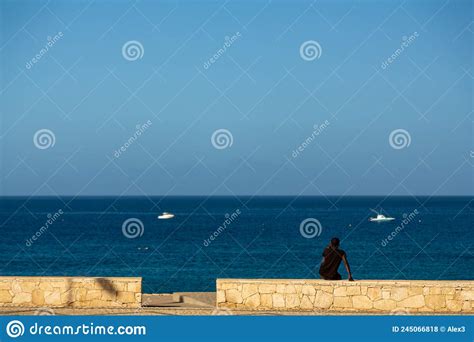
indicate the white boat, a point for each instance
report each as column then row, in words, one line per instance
column 381, row 218
column 165, row 216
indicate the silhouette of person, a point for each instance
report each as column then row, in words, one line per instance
column 332, row 257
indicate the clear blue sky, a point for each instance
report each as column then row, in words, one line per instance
column 259, row 89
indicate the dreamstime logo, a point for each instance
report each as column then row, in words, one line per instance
column 133, row 228
column 133, row 50
column 44, row 312
column 310, row 50
column 310, row 228
column 222, row 138
column 15, row 329
column 222, row 312
column 399, row 139
column 44, row 138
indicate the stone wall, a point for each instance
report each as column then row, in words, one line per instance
column 54, row 292
column 377, row 296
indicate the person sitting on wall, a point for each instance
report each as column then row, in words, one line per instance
column 332, row 257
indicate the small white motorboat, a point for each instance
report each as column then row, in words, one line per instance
column 165, row 216
column 381, row 218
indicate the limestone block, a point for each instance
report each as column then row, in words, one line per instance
column 416, row 290
column 323, row 300
column 125, row 297
column 417, row 301
column 434, row 290
column 340, row 291
column 342, row 302
column 361, row 302
column 467, row 295
column 454, row 305
column 448, row 291
column 16, row 288
column 292, row 301
column 353, row 290
column 306, row 303
column 233, row 296
column 266, row 300
column 248, row 290
column 5, row 296
column 385, row 304
column 220, row 297
column 399, row 293
column 253, row 301
column 21, row 298
column 374, row 293
column 228, row 286
column 45, row 286
column 290, row 289
column 267, row 288
column 28, row 286
column 308, row 290
column 52, row 298
column 278, row 300
column 467, row 306
column 363, row 290
column 5, row 285
column 37, row 297
column 281, row 288
column 107, row 295
column 435, row 301
column 385, row 294
column 93, row 294
column 134, row 287
column 328, row 289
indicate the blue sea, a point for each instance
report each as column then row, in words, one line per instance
column 259, row 237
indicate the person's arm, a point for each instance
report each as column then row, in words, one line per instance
column 348, row 268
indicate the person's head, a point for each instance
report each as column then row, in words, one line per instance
column 335, row 242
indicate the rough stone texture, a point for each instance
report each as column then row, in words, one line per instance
column 368, row 296
column 62, row 292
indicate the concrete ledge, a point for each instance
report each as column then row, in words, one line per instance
column 79, row 292
column 366, row 296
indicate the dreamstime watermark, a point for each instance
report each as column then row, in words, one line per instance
column 16, row 328
column 133, row 50
column 318, row 129
column 229, row 219
column 44, row 139
column 310, row 228
column 52, row 218
column 399, row 139
column 406, row 42
column 222, row 138
column 140, row 130
column 407, row 219
column 228, row 42
column 310, row 50
column 400, row 312
column 44, row 312
column 51, row 41
column 133, row 228
column 222, row 312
